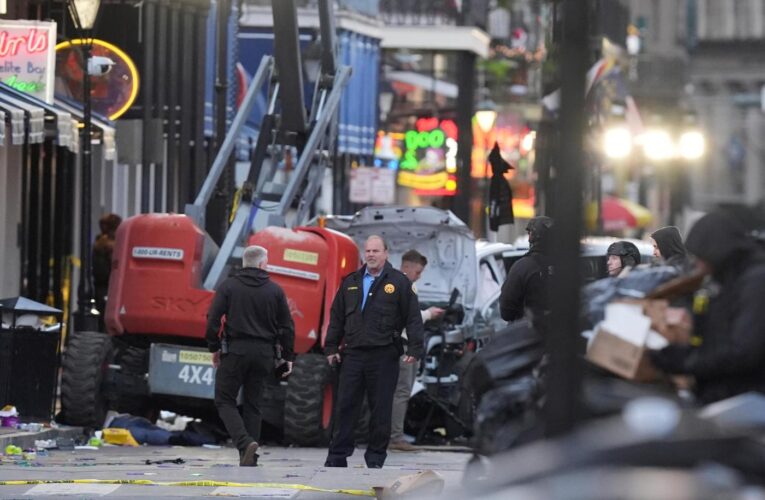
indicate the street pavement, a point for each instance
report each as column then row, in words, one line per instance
column 281, row 466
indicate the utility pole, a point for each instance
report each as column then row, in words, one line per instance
column 564, row 375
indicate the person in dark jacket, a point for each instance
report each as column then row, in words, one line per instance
column 621, row 255
column 731, row 358
column 371, row 308
column 668, row 246
column 526, row 286
column 257, row 325
column 102, row 259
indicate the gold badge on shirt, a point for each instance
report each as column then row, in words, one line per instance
column 389, row 288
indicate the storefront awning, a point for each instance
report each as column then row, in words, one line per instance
column 438, row 38
column 102, row 127
column 27, row 120
column 28, row 117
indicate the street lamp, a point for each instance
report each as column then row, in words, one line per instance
column 658, row 145
column 84, row 14
column 617, row 142
column 692, row 145
column 486, row 117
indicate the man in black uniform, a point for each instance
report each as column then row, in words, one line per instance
column 257, row 319
column 526, row 285
column 370, row 309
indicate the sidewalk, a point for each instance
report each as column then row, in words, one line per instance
column 24, row 439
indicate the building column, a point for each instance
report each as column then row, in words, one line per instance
column 754, row 184
column 465, row 98
column 10, row 215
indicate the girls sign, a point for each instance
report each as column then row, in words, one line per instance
column 28, row 57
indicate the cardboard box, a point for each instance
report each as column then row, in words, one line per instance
column 620, row 356
column 672, row 323
column 621, row 340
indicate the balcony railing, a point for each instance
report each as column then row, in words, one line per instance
column 366, row 7
column 419, row 12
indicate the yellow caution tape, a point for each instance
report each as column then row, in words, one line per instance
column 148, row 482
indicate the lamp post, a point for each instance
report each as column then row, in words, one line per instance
column 486, row 117
column 84, row 14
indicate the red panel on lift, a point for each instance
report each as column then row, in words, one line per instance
column 156, row 280
column 343, row 260
column 308, row 264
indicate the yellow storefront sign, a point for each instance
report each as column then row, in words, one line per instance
column 422, row 181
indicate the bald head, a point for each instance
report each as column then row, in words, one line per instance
column 375, row 254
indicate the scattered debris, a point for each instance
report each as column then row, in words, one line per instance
column 119, row 436
column 13, row 450
column 424, row 483
column 45, row 444
column 166, row 461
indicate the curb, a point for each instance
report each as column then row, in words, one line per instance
column 27, row 440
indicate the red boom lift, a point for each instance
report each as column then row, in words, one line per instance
column 165, row 267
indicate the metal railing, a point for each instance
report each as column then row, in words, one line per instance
column 365, row 7
column 419, row 12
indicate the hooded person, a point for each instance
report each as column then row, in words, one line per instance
column 621, row 255
column 668, row 246
column 526, row 287
column 731, row 357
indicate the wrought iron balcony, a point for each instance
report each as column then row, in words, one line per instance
column 366, row 7
column 419, row 12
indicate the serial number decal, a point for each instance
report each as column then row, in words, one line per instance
column 158, row 253
column 292, row 255
column 195, row 357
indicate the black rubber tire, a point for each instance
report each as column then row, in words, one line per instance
column 133, row 361
column 304, row 401
column 474, row 380
column 83, row 401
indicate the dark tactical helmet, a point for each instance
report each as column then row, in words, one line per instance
column 539, row 229
column 627, row 252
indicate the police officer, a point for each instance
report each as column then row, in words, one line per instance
column 257, row 319
column 525, row 288
column 369, row 311
column 621, row 255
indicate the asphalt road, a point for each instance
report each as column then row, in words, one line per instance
column 283, row 467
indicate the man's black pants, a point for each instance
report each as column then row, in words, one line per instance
column 247, row 368
column 374, row 370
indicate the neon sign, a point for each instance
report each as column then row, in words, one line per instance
column 27, row 57
column 112, row 93
column 430, row 158
column 34, row 41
